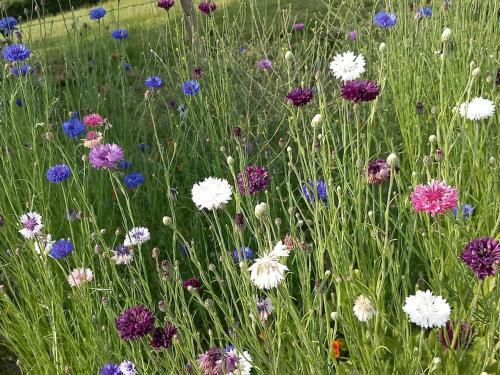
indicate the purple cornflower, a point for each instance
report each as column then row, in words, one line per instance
column 135, row 322
column 22, row 70
column 105, row 156
column 378, row 171
column 319, row 186
column 16, row 52
column 133, row 180
column 264, row 64
column 465, row 334
column 192, row 282
column 385, row 19
column 252, row 180
column 191, row 88
column 165, row 4
column 153, row 82
column 360, row 90
column 298, row 26
column 352, row 35
column 244, row 253
column 207, row 7
column 73, row 128
column 162, row 336
column 110, row 369
column 482, row 255
column 424, row 12
column 239, row 221
column 216, row 361
column 119, row 34
column 61, row 249
column 58, row 173
column 300, row 96
column 97, row 13
column 467, row 211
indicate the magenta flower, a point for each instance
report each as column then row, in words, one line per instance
column 482, row 255
column 264, row 64
column 94, row 119
column 193, row 282
column 252, row 180
column 299, row 96
column 359, row 90
column 135, row 322
column 105, row 156
column 165, row 4
column 162, row 336
column 434, row 198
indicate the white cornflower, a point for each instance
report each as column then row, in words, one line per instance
column 137, row 236
column 43, row 244
column 347, row 66
column 244, row 364
column 79, row 276
column 477, row 109
column 127, row 368
column 363, row 309
column 31, row 223
column 211, row 193
column 122, row 254
column 267, row 272
column 427, row 310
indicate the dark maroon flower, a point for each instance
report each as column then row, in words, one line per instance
column 482, row 255
column 162, row 336
column 237, row 132
column 239, row 221
column 197, row 73
column 252, row 180
column 216, row 361
column 497, row 81
column 165, row 4
column 419, row 107
column 207, row 7
column 135, row 322
column 360, row 90
column 465, row 334
column 378, row 171
column 193, row 282
column 300, row 96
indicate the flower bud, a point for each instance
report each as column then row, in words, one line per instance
column 445, row 36
column 261, row 210
column 334, row 315
column 382, row 47
column 432, row 139
column 230, row 160
column 392, row 160
column 167, row 220
column 316, row 120
column 476, row 72
column 436, row 361
column 288, row 55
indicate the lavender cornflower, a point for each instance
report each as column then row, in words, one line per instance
column 165, row 4
column 252, row 180
column 61, row 249
column 352, row 35
column 243, row 253
column 482, row 255
column 265, row 308
column 153, row 82
column 264, row 64
column 97, row 13
column 319, row 186
column 105, row 156
column 207, row 7
column 216, row 361
column 298, row 26
column 378, row 171
column 73, row 127
column 300, row 96
column 191, row 88
column 135, row 322
column 58, row 173
column 110, row 369
column 385, row 19
column 162, row 336
column 465, row 335
column 16, row 52
column 360, row 90
column 133, row 180
column 128, row 368
column 119, row 34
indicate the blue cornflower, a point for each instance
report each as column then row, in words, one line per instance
column 97, row 13
column 110, row 369
column 61, row 249
column 58, row 173
column 19, row 102
column 7, row 25
column 424, row 11
column 124, row 164
column 73, row 127
column 191, row 87
column 119, row 34
column 74, row 115
column 22, row 70
column 16, row 52
column 153, row 82
column 244, row 253
column 467, row 211
column 133, row 180
column 127, row 66
column 184, row 249
column 385, row 19
column 319, row 186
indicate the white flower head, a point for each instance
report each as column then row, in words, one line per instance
column 127, row 368
column 244, row 365
column 79, row 276
column 137, row 236
column 31, row 223
column 363, row 309
column 267, row 272
column 211, row 193
column 43, row 244
column 477, row 109
column 123, row 254
column 427, row 310
column 280, row 250
column 347, row 66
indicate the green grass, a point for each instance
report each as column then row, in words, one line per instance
column 368, row 240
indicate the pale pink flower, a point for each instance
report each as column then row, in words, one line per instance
column 94, row 119
column 434, row 198
column 79, row 276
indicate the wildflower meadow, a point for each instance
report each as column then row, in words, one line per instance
column 276, row 187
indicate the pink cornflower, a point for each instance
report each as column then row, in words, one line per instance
column 79, row 276
column 434, row 198
column 94, row 119
column 105, row 156
column 92, row 139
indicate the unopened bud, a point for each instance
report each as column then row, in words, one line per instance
column 261, row 211
column 288, row 55
column 432, row 139
column 392, row 160
column 167, row 220
column 230, row 160
column 316, row 120
column 445, row 36
column 382, row 47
